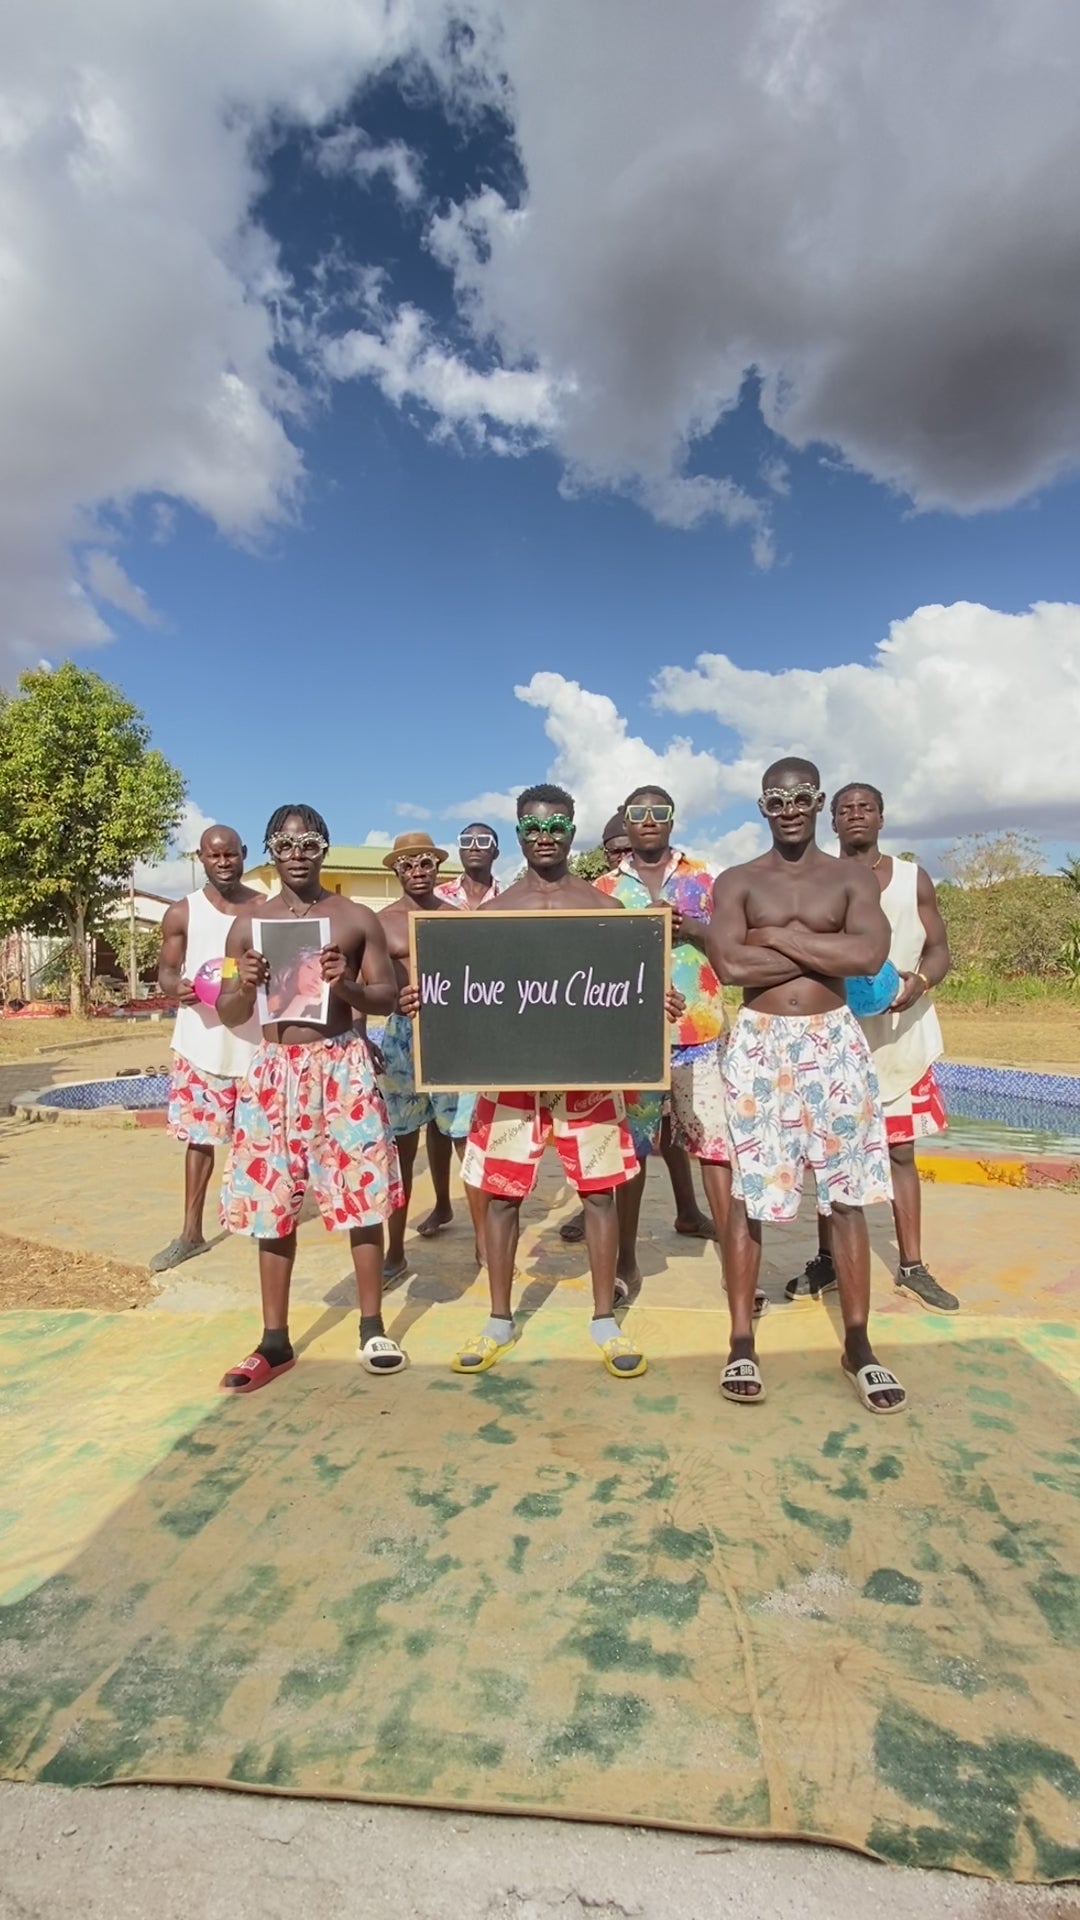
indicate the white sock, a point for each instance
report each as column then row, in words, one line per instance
column 499, row 1329
column 604, row 1328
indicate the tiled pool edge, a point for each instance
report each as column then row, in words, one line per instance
column 1011, row 1083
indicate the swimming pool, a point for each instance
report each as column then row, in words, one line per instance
column 1009, row 1110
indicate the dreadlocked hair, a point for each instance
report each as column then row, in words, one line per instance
column 313, row 822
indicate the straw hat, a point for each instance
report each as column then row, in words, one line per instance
column 407, row 843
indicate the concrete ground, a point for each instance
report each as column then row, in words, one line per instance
column 162, row 1853
column 159, row 1854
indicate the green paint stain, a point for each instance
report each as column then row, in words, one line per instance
column 1057, row 1596
column 206, row 1499
column 835, row 1444
column 889, row 1467
column 836, row 1532
column 495, row 1435
column 679, row 1545
column 605, row 1490
column 603, row 1724
column 990, row 1397
column 419, row 1643
column 661, row 1403
column 510, row 1392
column 409, row 1758
column 277, row 1771
column 850, row 1488
column 437, row 1502
column 608, row 1648
column 499, row 1694
column 539, row 1506
column 926, row 1559
column 895, row 1589
column 481, row 1495
column 614, row 1520
column 635, row 1456
column 516, row 1562
column 974, row 1791
column 750, row 1809
column 993, row 1422
column 661, row 1488
column 1053, row 1861
column 329, row 1473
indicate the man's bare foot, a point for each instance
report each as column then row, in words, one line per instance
column 437, row 1219
column 695, row 1226
column 395, row 1267
column 573, row 1230
column 741, row 1378
column 878, row 1397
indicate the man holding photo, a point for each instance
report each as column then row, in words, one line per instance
column 309, row 1111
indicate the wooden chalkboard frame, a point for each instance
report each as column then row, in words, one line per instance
column 556, row 913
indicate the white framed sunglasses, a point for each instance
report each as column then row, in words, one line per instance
column 478, row 842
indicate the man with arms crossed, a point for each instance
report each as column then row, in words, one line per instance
column 309, row 1111
column 511, row 1129
column 904, row 1042
column 789, row 928
column 209, row 1059
column 416, row 860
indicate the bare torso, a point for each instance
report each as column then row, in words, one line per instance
column 813, row 896
column 394, row 921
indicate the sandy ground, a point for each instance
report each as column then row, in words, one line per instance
column 87, row 1208
column 158, row 1854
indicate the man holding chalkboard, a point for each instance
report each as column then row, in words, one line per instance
column 791, row 928
column 416, row 860
column 511, row 1129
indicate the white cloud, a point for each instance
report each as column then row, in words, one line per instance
column 351, row 151
column 967, row 719
column 407, row 361
column 799, row 189
column 107, row 581
column 406, row 810
column 178, row 873
column 377, row 838
column 142, row 306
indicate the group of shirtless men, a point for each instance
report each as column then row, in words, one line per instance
column 795, row 1082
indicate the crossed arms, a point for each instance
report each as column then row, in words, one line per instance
column 745, row 956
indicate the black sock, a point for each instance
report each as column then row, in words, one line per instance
column 275, row 1345
column 371, row 1327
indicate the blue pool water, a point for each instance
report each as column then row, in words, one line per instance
column 1008, row 1110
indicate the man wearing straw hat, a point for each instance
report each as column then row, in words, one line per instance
column 416, row 860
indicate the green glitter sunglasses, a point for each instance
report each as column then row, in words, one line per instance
column 558, row 824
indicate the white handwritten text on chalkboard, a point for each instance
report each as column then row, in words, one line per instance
column 581, row 989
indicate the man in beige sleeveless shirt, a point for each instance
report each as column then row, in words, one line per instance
column 209, row 1059
column 905, row 1041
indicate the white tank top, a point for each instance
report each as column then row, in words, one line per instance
column 198, row 1034
column 904, row 1044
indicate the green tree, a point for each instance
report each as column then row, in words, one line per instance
column 83, row 796
column 589, row 865
column 1010, row 928
column 985, row 859
column 1070, row 872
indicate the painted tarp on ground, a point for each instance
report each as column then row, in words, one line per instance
column 543, row 1590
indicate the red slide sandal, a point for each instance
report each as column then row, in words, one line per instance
column 257, row 1372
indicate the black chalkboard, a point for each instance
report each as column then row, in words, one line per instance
column 541, row 1000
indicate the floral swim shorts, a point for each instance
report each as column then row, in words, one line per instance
column 408, row 1109
column 696, row 1106
column 202, row 1106
column 511, row 1130
column 802, row 1092
column 310, row 1116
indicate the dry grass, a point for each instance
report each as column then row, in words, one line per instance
column 1042, row 1035
column 25, row 1039
column 48, row 1279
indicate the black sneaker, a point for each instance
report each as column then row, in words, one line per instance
column 817, row 1277
column 920, row 1283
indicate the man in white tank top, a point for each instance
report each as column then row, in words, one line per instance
column 209, row 1059
column 904, row 1042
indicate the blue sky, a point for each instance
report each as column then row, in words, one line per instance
column 637, row 420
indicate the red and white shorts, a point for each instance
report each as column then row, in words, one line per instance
column 510, row 1131
column 202, row 1106
column 917, row 1113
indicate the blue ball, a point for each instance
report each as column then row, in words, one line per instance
column 873, row 992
